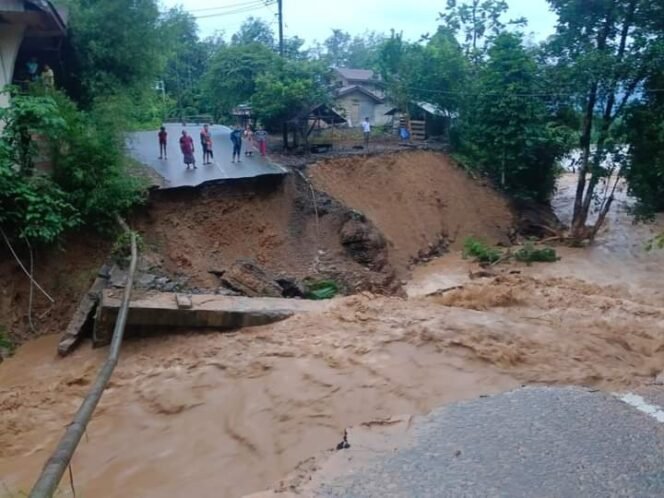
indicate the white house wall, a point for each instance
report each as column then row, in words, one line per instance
column 11, row 37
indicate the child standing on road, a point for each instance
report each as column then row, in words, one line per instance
column 187, row 148
column 206, row 145
column 163, row 141
column 236, row 139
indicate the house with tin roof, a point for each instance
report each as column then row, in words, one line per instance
column 360, row 93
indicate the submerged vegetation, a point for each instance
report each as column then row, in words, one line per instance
column 528, row 253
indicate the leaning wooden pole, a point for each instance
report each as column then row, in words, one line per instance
column 57, row 464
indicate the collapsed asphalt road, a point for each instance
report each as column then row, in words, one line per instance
column 144, row 147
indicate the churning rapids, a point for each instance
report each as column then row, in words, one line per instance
column 227, row 415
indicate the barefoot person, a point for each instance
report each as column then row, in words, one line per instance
column 163, row 141
column 236, row 139
column 187, row 148
column 366, row 130
column 206, row 145
column 249, row 138
column 261, row 138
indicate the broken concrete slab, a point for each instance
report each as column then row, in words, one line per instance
column 86, row 307
column 152, row 311
column 247, row 277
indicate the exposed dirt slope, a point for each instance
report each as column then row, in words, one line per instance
column 65, row 272
column 196, row 232
column 413, row 197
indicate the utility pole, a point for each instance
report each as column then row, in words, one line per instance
column 281, row 27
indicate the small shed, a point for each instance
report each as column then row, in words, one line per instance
column 424, row 120
column 305, row 123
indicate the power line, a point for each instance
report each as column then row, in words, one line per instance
column 509, row 94
column 240, row 10
column 229, row 6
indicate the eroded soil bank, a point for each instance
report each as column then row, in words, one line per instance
column 227, row 415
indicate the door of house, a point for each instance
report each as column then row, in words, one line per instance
column 355, row 112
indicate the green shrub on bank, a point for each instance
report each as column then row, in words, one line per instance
column 531, row 254
column 480, row 251
column 528, row 253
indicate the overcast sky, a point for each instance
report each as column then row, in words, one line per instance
column 314, row 19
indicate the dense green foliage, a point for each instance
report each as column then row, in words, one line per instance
column 233, row 74
column 602, row 52
column 528, row 253
column 480, row 251
column 645, row 133
column 116, row 47
column 506, row 134
column 89, row 184
column 288, row 88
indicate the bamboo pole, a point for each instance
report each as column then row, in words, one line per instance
column 57, row 464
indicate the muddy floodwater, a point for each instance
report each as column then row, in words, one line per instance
column 212, row 415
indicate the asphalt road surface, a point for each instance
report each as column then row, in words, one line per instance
column 530, row 443
column 144, row 147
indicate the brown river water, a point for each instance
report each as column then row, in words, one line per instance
column 212, row 415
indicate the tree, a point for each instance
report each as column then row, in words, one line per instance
column 187, row 61
column 505, row 132
column 337, row 45
column 602, row 52
column 293, row 49
column 478, row 22
column 254, row 31
column 644, row 170
column 441, row 74
column 289, row 89
column 234, row 69
column 116, row 47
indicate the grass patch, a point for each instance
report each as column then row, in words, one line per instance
column 531, row 254
column 480, row 251
column 5, row 341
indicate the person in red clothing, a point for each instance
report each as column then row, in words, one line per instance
column 163, row 141
column 187, row 148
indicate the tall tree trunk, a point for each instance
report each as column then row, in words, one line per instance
column 607, row 120
column 579, row 217
column 581, row 207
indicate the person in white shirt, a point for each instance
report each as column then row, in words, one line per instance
column 366, row 128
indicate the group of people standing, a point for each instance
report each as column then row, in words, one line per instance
column 254, row 140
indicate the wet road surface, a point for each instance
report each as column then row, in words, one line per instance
column 534, row 442
column 144, row 147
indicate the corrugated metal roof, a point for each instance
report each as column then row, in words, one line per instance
column 356, row 74
column 357, row 88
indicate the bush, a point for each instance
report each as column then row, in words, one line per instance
column 480, row 251
column 531, row 254
column 90, row 183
